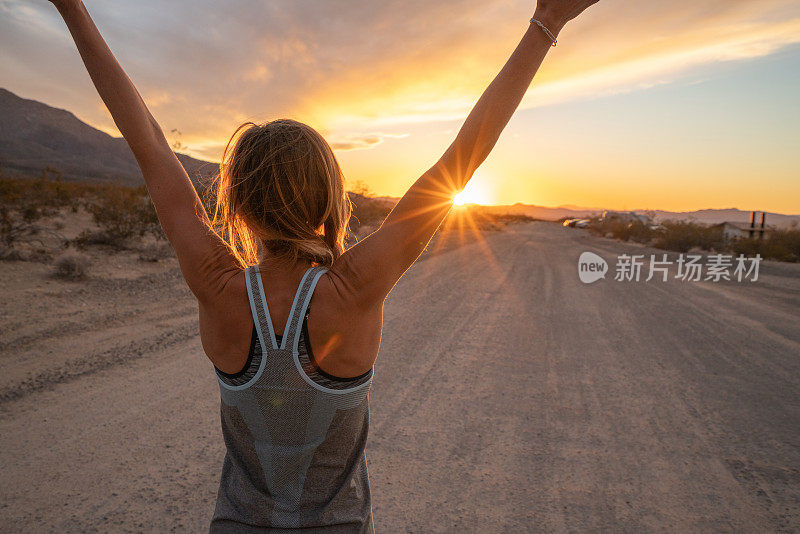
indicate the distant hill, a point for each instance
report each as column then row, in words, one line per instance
column 34, row 136
column 726, row 215
column 709, row 216
column 545, row 213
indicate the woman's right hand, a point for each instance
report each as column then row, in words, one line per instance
column 554, row 14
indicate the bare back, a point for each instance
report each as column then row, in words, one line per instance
column 344, row 337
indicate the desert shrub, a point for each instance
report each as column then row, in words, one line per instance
column 121, row 214
column 71, row 267
column 624, row 230
column 367, row 211
column 678, row 236
column 24, row 200
column 7, row 227
column 42, row 196
column 156, row 252
column 682, row 236
column 14, row 232
column 40, row 254
column 636, row 231
column 788, row 241
column 781, row 245
column 510, row 218
column 10, row 254
column 88, row 238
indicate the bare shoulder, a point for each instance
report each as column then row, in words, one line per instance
column 341, row 282
column 344, row 331
column 357, row 275
column 336, row 302
column 228, row 296
column 225, row 324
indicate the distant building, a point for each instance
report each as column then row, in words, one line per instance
column 737, row 230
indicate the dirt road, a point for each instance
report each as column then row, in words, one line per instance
column 508, row 396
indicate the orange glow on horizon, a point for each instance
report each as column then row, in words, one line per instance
column 603, row 126
column 477, row 191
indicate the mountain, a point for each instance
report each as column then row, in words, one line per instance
column 708, row 216
column 544, row 213
column 725, row 215
column 34, row 135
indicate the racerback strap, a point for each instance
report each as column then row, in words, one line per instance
column 299, row 307
column 260, row 310
column 258, row 306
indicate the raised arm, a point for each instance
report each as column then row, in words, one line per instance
column 374, row 265
column 205, row 260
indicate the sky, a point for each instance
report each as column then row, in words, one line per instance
column 680, row 105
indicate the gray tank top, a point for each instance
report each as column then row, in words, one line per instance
column 295, row 439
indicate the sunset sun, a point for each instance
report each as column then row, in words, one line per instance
column 476, row 192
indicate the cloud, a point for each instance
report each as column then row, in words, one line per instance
column 348, row 67
column 362, row 141
column 355, row 144
column 617, row 47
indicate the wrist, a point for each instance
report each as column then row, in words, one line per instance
column 66, row 6
column 550, row 22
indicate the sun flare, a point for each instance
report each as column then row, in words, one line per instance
column 460, row 199
column 476, row 192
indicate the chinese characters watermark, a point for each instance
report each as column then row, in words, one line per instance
column 687, row 268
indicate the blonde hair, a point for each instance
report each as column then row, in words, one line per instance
column 279, row 182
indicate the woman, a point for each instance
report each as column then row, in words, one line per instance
column 294, row 404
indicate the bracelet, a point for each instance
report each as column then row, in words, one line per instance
column 546, row 31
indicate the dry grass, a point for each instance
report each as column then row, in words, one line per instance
column 368, row 214
column 71, row 266
column 781, row 245
column 156, row 252
column 121, row 214
column 680, row 236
